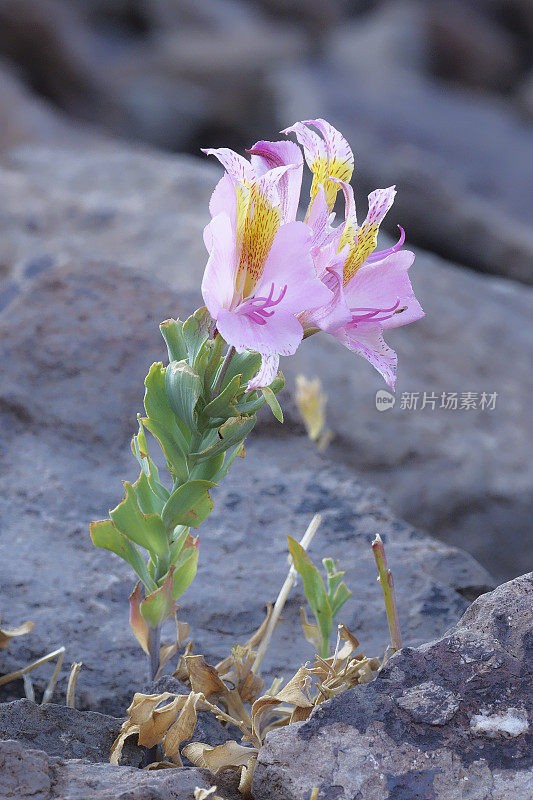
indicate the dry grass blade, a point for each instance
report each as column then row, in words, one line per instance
column 6, row 634
column 72, row 681
column 24, row 674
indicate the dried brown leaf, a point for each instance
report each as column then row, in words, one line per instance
column 311, row 632
column 182, row 729
column 203, row 677
column 247, row 774
column 293, row 692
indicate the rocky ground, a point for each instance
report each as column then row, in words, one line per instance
column 100, row 239
column 68, row 402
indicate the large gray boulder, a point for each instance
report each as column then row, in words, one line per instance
column 447, row 721
column 464, row 475
column 77, row 344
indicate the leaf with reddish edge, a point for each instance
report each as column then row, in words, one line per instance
column 137, row 621
column 157, row 606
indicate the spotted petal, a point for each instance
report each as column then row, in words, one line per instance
column 266, row 156
column 367, row 341
column 379, row 202
column 328, row 156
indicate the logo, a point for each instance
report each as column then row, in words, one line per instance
column 384, row 400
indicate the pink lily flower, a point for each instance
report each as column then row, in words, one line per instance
column 371, row 290
column 260, row 275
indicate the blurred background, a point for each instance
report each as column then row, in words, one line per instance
column 435, row 96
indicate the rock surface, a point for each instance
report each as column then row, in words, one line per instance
column 62, row 463
column 461, row 161
column 447, row 721
column 463, row 475
column 29, row 774
column 65, row 732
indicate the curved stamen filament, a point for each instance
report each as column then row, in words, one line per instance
column 257, row 309
column 378, row 255
column 372, row 314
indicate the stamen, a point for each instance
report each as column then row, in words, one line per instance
column 378, row 255
column 257, row 308
column 372, row 314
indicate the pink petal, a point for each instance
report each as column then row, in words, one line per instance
column 314, row 147
column 338, row 149
column 218, row 282
column 281, row 334
column 318, row 218
column 267, row 372
column 236, row 165
column 268, row 155
column 367, row 341
column 224, row 198
column 382, row 284
column 289, row 263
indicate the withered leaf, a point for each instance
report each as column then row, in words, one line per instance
column 203, row 677
column 182, row 729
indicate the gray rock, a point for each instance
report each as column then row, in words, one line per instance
column 61, row 468
column 463, row 475
column 447, row 720
column 29, row 774
column 461, row 193
column 65, row 732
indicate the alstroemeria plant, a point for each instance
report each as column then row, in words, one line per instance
column 270, row 281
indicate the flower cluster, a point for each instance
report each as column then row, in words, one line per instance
column 271, row 280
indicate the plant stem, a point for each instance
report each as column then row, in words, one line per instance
column 386, row 582
column 154, row 643
column 282, row 596
column 223, row 370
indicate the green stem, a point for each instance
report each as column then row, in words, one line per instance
column 324, row 648
column 387, row 585
column 223, row 370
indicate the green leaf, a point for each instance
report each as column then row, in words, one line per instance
column 158, row 408
column 149, row 502
column 105, row 534
column 234, row 430
column 223, row 405
column 196, row 332
column 314, row 588
column 156, row 606
column 209, row 469
column 183, row 387
column 275, row 407
column 186, row 567
column 176, row 461
column 339, row 598
column 245, row 364
column 251, row 406
column 146, row 530
column 338, row 592
column 189, row 505
column 149, row 470
column 229, row 459
column 172, row 332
